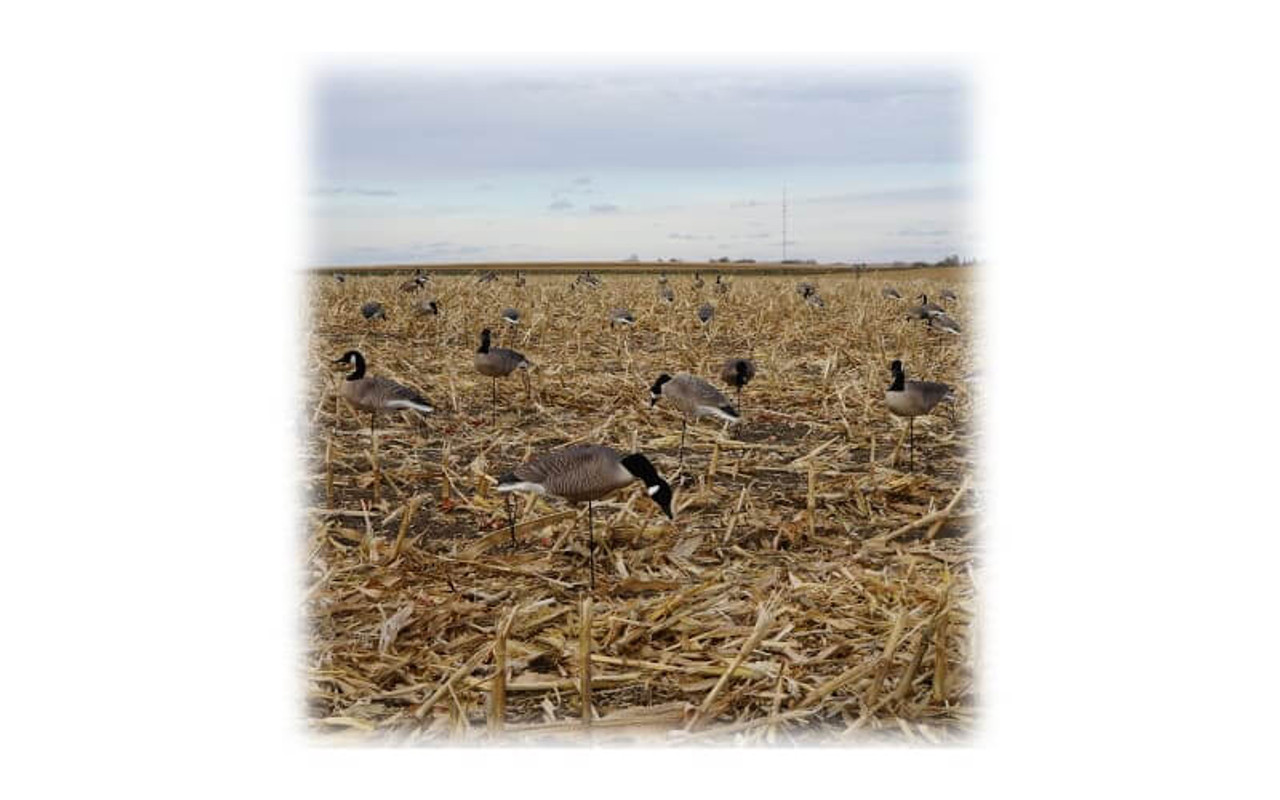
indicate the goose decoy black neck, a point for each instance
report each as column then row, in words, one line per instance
column 353, row 357
column 655, row 391
column 657, row 489
column 484, row 341
column 899, row 377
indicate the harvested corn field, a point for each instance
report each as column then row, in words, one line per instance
column 815, row 586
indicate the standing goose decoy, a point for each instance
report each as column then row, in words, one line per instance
column 511, row 316
column 705, row 312
column 805, row 289
column 889, row 291
column 693, row 398
column 910, row 399
column 697, row 281
column 620, row 316
column 933, row 309
column 488, row 277
column 415, row 283
column 722, row 287
column 374, row 394
column 519, row 279
column 944, row 323
column 585, row 473
column 738, row 372
column 499, row 362
column 666, row 295
column 947, row 294
column 373, row 310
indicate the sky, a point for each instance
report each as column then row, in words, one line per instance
column 508, row 163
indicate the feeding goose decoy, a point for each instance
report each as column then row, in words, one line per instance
column 429, row 306
column 373, row 310
column 705, row 312
column 738, row 372
column 910, row 399
column 585, row 473
column 805, row 289
column 693, row 398
column 944, row 323
column 620, row 316
column 947, row 294
column 666, row 295
column 889, row 291
column 511, row 316
column 374, row 394
column 499, row 362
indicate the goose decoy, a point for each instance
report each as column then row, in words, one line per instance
column 697, row 281
column 374, row 394
column 415, row 283
column 488, row 277
column 738, row 372
column 933, row 309
column 511, row 316
column 339, row 277
column 373, row 310
column 666, row 295
column 519, row 279
column 815, row 301
column 620, row 316
column 705, row 312
column 722, row 287
column 587, row 279
column 585, row 473
column 499, row 362
column 889, row 291
column 805, row 289
column 947, row 294
column 429, row 306
column 693, row 398
column 944, row 323
column 662, row 279
column 910, row 399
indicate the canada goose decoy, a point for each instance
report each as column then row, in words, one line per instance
column 889, row 291
column 705, row 312
column 697, row 281
column 488, row 277
column 373, row 310
column 693, row 398
column 415, row 283
column 947, row 294
column 519, row 279
column 429, row 306
column 933, row 309
column 511, row 316
column 662, row 279
column 374, row 394
column 815, row 301
column 738, row 372
column 499, row 362
column 910, row 399
column 585, row 473
column 666, row 295
column 944, row 323
column 805, row 288
column 587, row 279
column 722, row 287
column 339, row 277
column 620, row 316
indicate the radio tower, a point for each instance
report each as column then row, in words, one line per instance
column 784, row 222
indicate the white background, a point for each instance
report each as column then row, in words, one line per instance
column 153, row 173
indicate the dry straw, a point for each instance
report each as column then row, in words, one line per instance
column 810, row 590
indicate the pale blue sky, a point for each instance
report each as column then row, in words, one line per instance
column 501, row 164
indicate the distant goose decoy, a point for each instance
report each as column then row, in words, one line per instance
column 662, row 279
column 889, row 291
column 620, row 316
column 805, row 289
column 738, row 372
column 339, row 277
column 722, row 287
column 519, row 279
column 415, row 283
column 429, row 306
column 705, row 312
column 499, row 362
column 487, row 277
column 693, row 398
column 585, row 473
column 374, row 394
column 816, row 301
column 947, row 294
column 666, row 295
column 511, row 316
column 910, row 399
column 697, row 281
column 373, row 310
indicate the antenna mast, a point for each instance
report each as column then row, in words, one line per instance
column 784, row 222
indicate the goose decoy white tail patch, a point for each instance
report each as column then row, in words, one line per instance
column 511, row 316
column 910, row 399
column 693, row 398
column 499, row 362
column 585, row 473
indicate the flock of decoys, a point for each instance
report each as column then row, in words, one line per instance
column 587, row 473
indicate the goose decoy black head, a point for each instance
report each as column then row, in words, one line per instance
column 655, row 391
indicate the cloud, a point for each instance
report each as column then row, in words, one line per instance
column 330, row 191
column 560, row 205
column 605, row 208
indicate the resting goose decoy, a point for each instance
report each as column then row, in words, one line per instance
column 585, row 473
column 499, row 362
column 373, row 310
column 620, row 316
column 910, row 399
column 666, row 295
column 889, row 291
column 705, row 312
column 511, row 316
column 738, row 372
column 947, row 294
column 374, row 394
column 693, row 398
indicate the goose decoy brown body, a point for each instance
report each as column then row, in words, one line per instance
column 910, row 399
column 373, row 310
column 519, row 279
column 947, row 294
column 499, row 362
column 943, row 322
column 932, row 309
column 738, row 372
column 585, row 473
column 722, row 287
column 693, row 398
column 705, row 312
column 374, row 394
